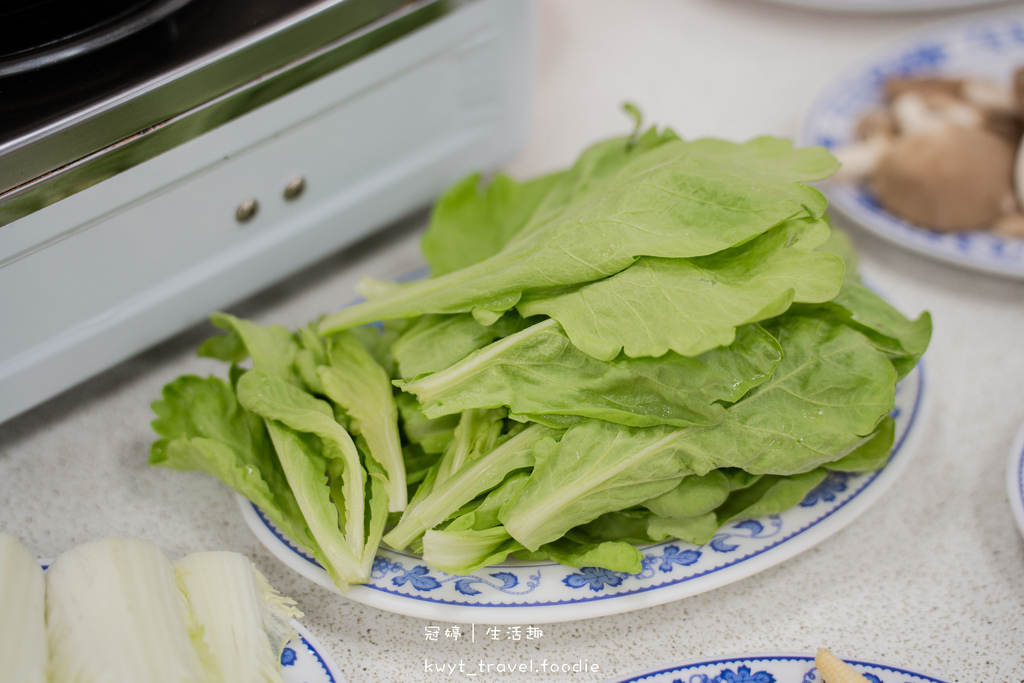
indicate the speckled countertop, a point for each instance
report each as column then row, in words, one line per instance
column 931, row 577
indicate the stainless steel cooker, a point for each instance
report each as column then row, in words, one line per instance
column 164, row 158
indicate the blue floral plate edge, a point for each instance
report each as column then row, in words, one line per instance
column 744, row 668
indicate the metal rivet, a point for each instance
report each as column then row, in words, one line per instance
column 246, row 210
column 295, row 187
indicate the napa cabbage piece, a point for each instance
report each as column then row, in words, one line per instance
column 23, row 648
column 114, row 614
column 245, row 622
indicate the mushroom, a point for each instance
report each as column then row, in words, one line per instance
column 859, row 160
column 947, row 178
column 1018, row 175
column 916, row 112
column 876, row 122
column 944, row 153
column 961, row 101
column 922, row 85
column 1018, row 91
column 1009, row 225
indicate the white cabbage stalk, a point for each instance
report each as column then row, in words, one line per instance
column 23, row 651
column 114, row 614
column 245, row 621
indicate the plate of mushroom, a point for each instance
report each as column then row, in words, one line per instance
column 928, row 130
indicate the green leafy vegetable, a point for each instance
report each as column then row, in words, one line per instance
column 693, row 305
column 480, row 475
column 677, row 200
column 291, row 413
column 661, row 339
column 206, row 429
column 538, row 371
column 356, row 382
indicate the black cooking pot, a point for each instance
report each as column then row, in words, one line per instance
column 37, row 33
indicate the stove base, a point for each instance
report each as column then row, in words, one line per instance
column 109, row 271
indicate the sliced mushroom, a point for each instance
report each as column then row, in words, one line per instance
column 1018, row 90
column 1010, row 225
column 924, row 85
column 950, row 178
column 1018, row 175
column 987, row 94
column 876, row 122
column 860, row 159
column 916, row 112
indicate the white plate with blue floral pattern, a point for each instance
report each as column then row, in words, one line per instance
column 767, row 668
column 545, row 592
column 989, row 45
column 1015, row 480
column 303, row 659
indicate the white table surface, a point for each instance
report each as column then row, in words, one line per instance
column 930, row 578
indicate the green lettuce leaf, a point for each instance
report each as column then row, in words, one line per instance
column 902, row 339
column 871, row 455
column 477, row 433
column 205, row 429
column 288, row 409
column 595, row 468
column 476, row 477
column 538, row 372
column 617, row 556
column 436, row 342
column 770, row 495
column 677, row 200
column 693, row 305
column 273, row 349
column 472, row 222
column 466, row 550
column 306, row 469
column 355, row 381
column 826, row 398
column 695, row 495
column 432, row 435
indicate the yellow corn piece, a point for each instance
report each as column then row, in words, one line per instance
column 835, row 670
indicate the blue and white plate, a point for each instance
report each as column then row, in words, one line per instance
column 303, row 660
column 989, row 45
column 767, row 668
column 1015, row 480
column 544, row 592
